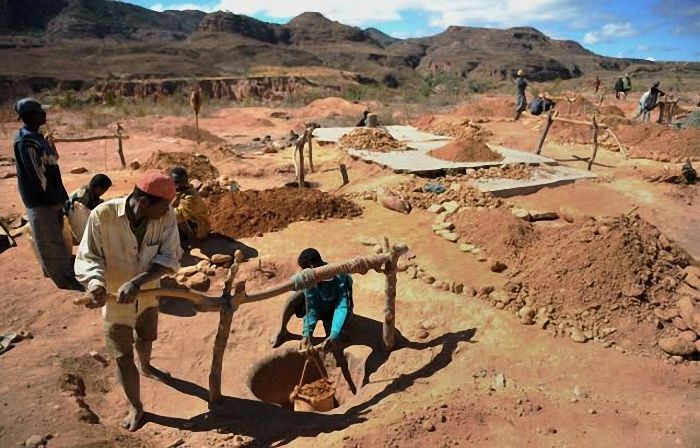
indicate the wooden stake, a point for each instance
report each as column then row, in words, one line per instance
column 344, row 174
column 595, row 143
column 543, row 136
column 120, row 148
column 311, row 150
column 222, row 333
column 301, row 158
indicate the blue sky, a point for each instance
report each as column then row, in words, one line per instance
column 646, row 29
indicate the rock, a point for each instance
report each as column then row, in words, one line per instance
column 34, row 441
column 543, row 216
column 677, row 346
column 135, row 165
column 436, row 208
column 476, row 250
column 469, row 291
column 221, row 259
column 438, row 284
column 429, row 279
column 451, row 237
column 527, row 314
column 466, row 247
column 679, row 323
column 189, row 270
column 481, row 258
column 486, row 290
column 688, row 335
column 577, row 336
column 666, row 314
column 520, row 213
column 692, row 277
column 238, row 257
column 497, row 266
column 458, row 288
column 697, row 345
column 422, row 334
column 79, row 170
column 500, row 297
column 690, row 313
column 633, row 291
column 450, row 206
column 199, row 282
column 196, row 184
column 428, row 426
column 197, row 253
column 499, row 381
column 86, row 415
column 592, row 411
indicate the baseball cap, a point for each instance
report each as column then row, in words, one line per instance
column 27, row 105
column 158, row 184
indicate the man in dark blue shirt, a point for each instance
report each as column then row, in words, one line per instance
column 41, row 187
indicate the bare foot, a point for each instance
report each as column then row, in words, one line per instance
column 156, row 374
column 279, row 339
column 132, row 421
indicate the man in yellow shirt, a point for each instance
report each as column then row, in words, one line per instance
column 129, row 243
column 191, row 211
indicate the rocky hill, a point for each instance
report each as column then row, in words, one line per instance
column 88, row 41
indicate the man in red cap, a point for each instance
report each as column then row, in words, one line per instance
column 129, row 243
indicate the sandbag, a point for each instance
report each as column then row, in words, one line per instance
column 392, row 201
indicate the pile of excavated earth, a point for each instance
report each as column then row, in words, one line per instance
column 420, row 195
column 254, row 212
column 198, row 166
column 466, row 150
column 372, row 139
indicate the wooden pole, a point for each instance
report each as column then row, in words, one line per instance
column 543, row 136
column 344, row 174
column 120, row 147
column 595, row 143
column 196, row 104
column 311, row 150
column 222, row 333
column 619, row 145
column 389, row 324
column 301, row 158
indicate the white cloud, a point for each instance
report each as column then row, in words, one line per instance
column 610, row 32
column 441, row 13
column 183, row 6
column 649, row 58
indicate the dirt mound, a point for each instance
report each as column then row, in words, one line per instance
column 253, row 212
column 198, row 166
column 318, row 388
column 611, row 109
column 459, row 129
column 498, row 107
column 660, row 142
column 332, row 107
column 466, row 150
column 189, row 132
column 372, row 139
column 500, row 234
column 418, row 195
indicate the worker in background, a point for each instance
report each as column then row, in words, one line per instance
column 363, row 120
column 129, row 243
column 190, row 210
column 626, row 85
column 91, row 194
column 596, row 84
column 520, row 99
column 619, row 88
column 648, row 101
column 329, row 301
column 42, row 191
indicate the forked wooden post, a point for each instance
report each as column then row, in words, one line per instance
column 300, row 148
column 595, row 143
column 344, row 174
column 389, row 324
column 196, row 104
column 543, row 136
column 222, row 333
column 120, row 147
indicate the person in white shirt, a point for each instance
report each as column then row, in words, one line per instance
column 129, row 243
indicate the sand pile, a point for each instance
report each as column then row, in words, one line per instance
column 465, row 195
column 660, row 142
column 611, row 109
column 458, row 129
column 253, row 212
column 466, row 150
column 515, row 172
column 497, row 232
column 189, row 132
column 198, row 166
column 372, row 139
